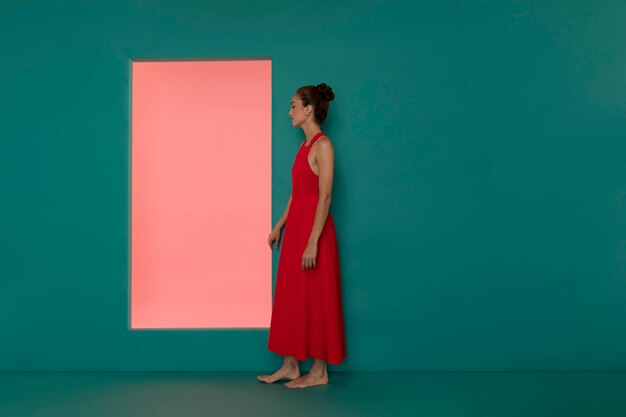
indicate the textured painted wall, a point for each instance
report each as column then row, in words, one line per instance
column 479, row 197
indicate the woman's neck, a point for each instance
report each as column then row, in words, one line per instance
column 310, row 132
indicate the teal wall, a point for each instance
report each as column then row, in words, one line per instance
column 480, row 184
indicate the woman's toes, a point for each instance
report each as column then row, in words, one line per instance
column 295, row 383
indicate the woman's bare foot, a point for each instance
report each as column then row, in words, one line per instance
column 290, row 370
column 317, row 376
column 308, row 380
column 282, row 373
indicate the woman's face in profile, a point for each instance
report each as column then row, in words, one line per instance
column 296, row 111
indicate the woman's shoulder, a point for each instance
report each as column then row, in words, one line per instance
column 323, row 146
column 324, row 141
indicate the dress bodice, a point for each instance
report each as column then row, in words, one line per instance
column 304, row 181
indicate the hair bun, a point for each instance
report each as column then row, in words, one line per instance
column 326, row 92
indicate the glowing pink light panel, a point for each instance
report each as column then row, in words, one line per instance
column 201, row 194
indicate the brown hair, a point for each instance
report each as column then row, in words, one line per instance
column 319, row 96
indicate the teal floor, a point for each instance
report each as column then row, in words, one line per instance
column 180, row 394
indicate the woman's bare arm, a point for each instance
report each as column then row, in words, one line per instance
column 325, row 162
column 281, row 222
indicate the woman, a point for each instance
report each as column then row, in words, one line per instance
column 307, row 316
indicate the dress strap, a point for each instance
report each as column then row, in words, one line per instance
column 314, row 139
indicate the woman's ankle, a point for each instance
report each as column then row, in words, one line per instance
column 319, row 368
column 290, row 363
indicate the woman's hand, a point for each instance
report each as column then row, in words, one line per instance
column 274, row 236
column 308, row 259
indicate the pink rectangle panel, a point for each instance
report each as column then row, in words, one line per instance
column 201, row 194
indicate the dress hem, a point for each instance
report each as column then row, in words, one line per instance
column 312, row 356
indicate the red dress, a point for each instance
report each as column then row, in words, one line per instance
column 307, row 316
